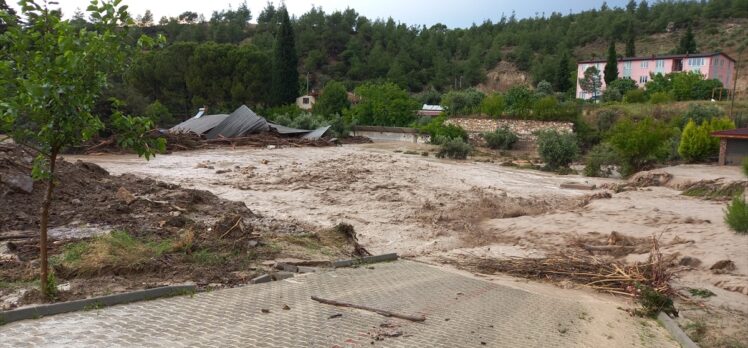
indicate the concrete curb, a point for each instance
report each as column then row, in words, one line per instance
column 95, row 302
column 672, row 327
column 365, row 259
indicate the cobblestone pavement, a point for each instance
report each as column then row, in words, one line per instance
column 461, row 311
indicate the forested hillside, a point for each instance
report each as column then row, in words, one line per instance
column 225, row 60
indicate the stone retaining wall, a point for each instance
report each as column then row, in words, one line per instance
column 523, row 128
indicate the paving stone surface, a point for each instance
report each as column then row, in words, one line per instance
column 461, row 312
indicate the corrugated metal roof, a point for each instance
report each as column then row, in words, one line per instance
column 287, row 130
column 432, row 107
column 199, row 125
column 317, row 133
column 242, row 121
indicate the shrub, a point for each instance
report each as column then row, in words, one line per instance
column 635, row 96
column 436, row 128
column 606, row 119
column 695, row 143
column 639, row 144
column 745, row 166
column 557, row 149
column 612, row 95
column 736, row 214
column 334, row 99
column 463, row 102
column 623, row 85
column 501, row 139
column 493, row 105
column 455, row 149
column 660, row 98
column 598, row 159
column 519, row 100
column 544, row 88
column 700, row 113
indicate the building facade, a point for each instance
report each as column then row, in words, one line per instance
column 714, row 65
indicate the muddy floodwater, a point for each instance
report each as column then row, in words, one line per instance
column 401, row 201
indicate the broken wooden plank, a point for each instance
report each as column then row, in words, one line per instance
column 370, row 309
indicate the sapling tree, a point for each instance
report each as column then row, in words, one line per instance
column 591, row 82
column 51, row 74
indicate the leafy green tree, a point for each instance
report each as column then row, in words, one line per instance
column 383, row 104
column 639, row 144
column 7, row 20
column 519, row 101
column 687, row 43
column 493, row 105
column 463, row 102
column 544, row 88
column 501, row 139
column 556, row 149
column 285, row 81
column 334, row 99
column 159, row 114
column 623, row 85
column 591, row 82
column 611, row 66
column 56, row 73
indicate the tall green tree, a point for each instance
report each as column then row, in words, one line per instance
column 631, row 40
column 6, row 20
column 334, row 99
column 610, row 73
column 591, row 82
column 383, row 104
column 285, row 74
column 562, row 81
column 687, row 43
column 55, row 72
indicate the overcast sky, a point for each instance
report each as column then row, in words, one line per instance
column 453, row 13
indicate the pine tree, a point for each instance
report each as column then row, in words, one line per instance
column 611, row 66
column 562, row 82
column 4, row 7
column 285, row 82
column 687, row 43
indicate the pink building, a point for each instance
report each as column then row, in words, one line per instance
column 712, row 65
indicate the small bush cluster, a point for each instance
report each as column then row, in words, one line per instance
column 745, row 166
column 556, row 149
column 736, row 214
column 455, row 148
column 441, row 132
column 501, row 139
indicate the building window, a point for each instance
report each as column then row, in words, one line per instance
column 660, row 65
column 643, row 79
column 644, row 64
column 627, row 69
column 694, row 62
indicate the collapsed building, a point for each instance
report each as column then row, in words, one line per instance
column 243, row 121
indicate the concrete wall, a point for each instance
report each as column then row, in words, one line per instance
column 394, row 136
column 737, row 149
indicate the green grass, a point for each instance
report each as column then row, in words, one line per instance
column 736, row 215
column 703, row 293
column 207, row 258
column 723, row 192
column 116, row 250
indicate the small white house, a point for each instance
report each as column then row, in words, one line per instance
column 305, row 102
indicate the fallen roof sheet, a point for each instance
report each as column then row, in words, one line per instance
column 199, row 125
column 242, row 121
column 287, row 130
column 317, row 133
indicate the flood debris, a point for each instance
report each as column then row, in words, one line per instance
column 385, row 313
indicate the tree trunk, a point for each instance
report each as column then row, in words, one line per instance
column 44, row 223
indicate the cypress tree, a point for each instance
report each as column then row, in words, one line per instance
column 630, row 38
column 687, row 43
column 563, row 74
column 285, row 74
column 611, row 66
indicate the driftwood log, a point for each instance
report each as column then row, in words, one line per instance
column 370, row 309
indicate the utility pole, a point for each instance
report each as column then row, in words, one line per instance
column 735, row 82
column 307, row 83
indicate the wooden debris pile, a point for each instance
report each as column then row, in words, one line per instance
column 602, row 274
